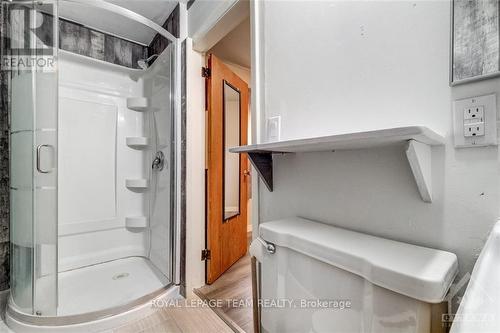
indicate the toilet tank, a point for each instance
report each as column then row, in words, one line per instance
column 326, row 279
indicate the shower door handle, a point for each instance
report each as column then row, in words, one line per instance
column 38, row 158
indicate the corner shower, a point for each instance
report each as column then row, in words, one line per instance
column 93, row 170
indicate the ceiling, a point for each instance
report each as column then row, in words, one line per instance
column 235, row 46
column 106, row 21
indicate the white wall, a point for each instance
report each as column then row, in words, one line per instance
column 209, row 21
column 242, row 72
column 235, row 46
column 334, row 67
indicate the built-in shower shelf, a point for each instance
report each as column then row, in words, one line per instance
column 138, row 103
column 137, row 183
column 416, row 139
column 136, row 222
column 141, row 104
column 138, row 142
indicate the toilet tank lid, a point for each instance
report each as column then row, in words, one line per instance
column 418, row 272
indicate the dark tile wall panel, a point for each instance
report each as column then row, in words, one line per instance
column 91, row 43
column 159, row 43
column 4, row 163
column 183, row 172
column 4, row 265
column 121, row 52
column 95, row 44
column 189, row 4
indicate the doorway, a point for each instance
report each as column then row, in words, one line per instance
column 228, row 180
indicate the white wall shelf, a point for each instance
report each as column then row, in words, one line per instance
column 137, row 183
column 136, row 222
column 137, row 142
column 417, row 141
column 140, row 104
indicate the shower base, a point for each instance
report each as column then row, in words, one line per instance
column 99, row 298
column 32, row 324
column 107, row 285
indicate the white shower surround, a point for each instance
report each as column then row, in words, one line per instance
column 94, row 125
column 95, row 162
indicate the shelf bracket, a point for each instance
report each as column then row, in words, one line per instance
column 420, row 158
column 263, row 163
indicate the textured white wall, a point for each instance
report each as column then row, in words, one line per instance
column 334, row 67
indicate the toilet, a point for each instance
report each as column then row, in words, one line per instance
column 320, row 278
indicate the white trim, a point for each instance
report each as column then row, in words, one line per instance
column 72, row 228
column 258, row 97
column 195, row 169
column 183, row 20
column 210, row 21
column 71, row 56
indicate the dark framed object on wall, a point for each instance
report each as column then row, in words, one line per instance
column 475, row 40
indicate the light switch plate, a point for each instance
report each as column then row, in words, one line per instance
column 273, row 128
column 485, row 104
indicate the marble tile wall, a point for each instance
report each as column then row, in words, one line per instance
column 159, row 43
column 4, row 165
column 4, row 182
column 87, row 42
column 76, row 38
column 183, row 171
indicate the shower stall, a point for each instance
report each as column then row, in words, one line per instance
column 93, row 154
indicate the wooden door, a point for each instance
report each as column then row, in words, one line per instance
column 227, row 175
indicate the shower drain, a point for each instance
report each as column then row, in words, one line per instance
column 120, row 276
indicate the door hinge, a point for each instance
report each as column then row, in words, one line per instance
column 205, row 254
column 205, row 72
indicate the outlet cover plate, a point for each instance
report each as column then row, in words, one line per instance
column 273, row 129
column 488, row 102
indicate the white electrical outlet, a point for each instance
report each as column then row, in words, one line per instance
column 471, row 130
column 475, row 121
column 474, row 113
column 273, row 129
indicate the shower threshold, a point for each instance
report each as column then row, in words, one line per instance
column 107, row 285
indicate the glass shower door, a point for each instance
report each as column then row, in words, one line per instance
column 159, row 85
column 29, row 58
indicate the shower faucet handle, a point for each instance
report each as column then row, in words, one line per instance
column 159, row 161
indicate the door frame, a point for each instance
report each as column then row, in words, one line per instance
column 196, row 136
